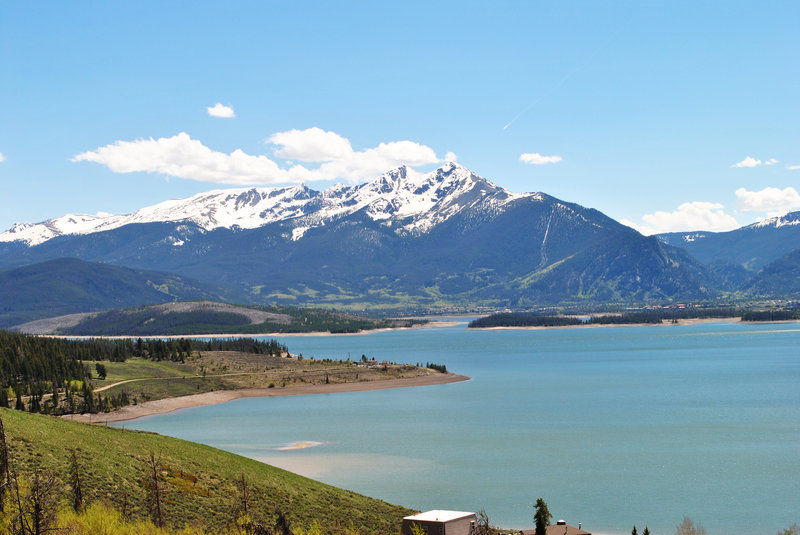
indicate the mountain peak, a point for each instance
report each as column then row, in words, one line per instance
column 792, row 218
column 419, row 200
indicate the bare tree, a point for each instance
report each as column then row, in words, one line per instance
column 42, row 504
column 244, row 495
column 5, row 466
column 243, row 522
column 152, row 482
column 36, row 505
column 687, row 527
column 75, row 483
column 282, row 526
column 482, row 526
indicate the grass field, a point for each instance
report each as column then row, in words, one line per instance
column 199, row 482
column 146, row 380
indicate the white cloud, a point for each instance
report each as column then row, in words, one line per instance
column 537, row 159
column 748, row 162
column 2, row 157
column 311, row 145
column 219, row 110
column 793, row 167
column 184, row 157
column 697, row 215
column 451, row 157
column 753, row 162
column 772, row 200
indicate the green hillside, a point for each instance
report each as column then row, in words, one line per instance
column 199, row 483
column 69, row 286
column 779, row 278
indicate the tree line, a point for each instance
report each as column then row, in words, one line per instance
column 51, row 375
column 649, row 316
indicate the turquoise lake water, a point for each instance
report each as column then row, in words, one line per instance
column 611, row 426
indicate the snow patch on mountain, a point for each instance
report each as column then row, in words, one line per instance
column 409, row 201
column 792, row 218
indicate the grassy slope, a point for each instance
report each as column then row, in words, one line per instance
column 229, row 370
column 69, row 285
column 200, row 480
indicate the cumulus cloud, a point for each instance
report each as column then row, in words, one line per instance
column 537, row 159
column 753, row 162
column 793, row 167
column 311, row 145
column 2, row 157
column 748, row 162
column 222, row 111
column 774, row 201
column 451, row 157
column 184, row 157
column 689, row 216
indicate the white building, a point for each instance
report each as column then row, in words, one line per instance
column 441, row 523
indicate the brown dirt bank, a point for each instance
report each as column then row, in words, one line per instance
column 221, row 396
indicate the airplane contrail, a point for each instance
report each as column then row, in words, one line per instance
column 577, row 68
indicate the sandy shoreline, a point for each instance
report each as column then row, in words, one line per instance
column 161, row 406
column 254, row 335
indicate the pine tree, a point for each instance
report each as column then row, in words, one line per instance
column 542, row 517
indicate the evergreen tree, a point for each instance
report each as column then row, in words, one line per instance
column 101, row 370
column 542, row 517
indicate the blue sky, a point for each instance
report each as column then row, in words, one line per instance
column 667, row 115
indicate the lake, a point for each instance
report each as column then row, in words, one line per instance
column 612, row 426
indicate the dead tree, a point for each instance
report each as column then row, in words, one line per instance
column 42, row 504
column 244, row 495
column 152, row 483
column 282, row 526
column 75, row 483
column 482, row 526
column 5, row 467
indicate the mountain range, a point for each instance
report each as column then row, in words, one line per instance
column 407, row 241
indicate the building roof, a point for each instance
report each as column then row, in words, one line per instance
column 558, row 529
column 438, row 516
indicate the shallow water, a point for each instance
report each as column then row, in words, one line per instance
column 611, row 426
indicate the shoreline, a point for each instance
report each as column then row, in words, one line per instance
column 429, row 325
column 162, row 406
column 688, row 321
column 685, row 321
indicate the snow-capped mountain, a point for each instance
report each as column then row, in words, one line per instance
column 405, row 240
column 792, row 218
column 415, row 201
column 752, row 246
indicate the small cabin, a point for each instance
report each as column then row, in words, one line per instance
column 441, row 523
